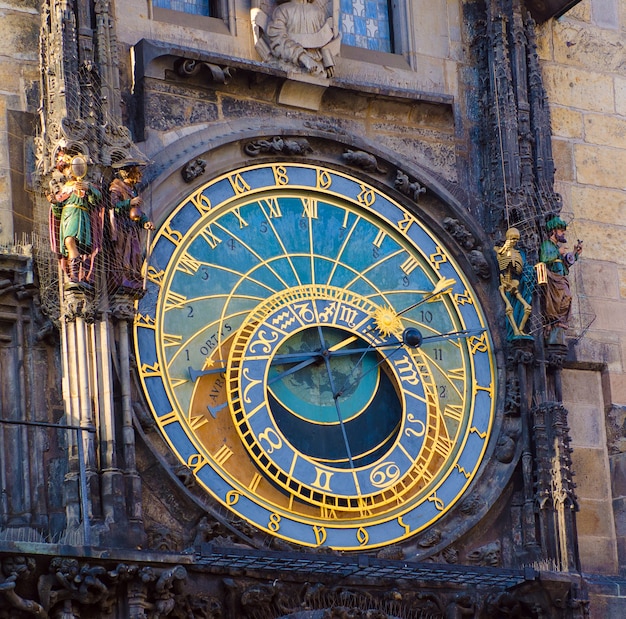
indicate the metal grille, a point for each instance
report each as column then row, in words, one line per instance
column 365, row 23
column 359, row 567
column 195, row 7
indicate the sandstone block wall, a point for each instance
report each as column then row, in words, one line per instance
column 19, row 72
column 583, row 55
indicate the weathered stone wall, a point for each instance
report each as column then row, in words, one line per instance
column 584, row 55
column 19, row 72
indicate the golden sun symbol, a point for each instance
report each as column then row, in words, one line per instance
column 387, row 321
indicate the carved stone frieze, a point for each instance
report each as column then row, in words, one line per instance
column 507, row 445
column 460, row 233
column 13, row 570
column 513, row 398
column 278, row 145
column 430, row 539
column 472, row 504
column 93, row 589
column 325, row 127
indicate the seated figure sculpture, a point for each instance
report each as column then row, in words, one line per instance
column 298, row 35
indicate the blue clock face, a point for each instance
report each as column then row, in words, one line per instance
column 315, row 356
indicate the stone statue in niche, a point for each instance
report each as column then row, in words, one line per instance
column 298, row 35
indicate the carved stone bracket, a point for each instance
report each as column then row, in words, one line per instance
column 79, row 303
column 188, row 67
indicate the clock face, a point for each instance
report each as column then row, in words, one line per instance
column 315, row 356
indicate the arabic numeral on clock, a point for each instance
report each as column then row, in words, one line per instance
column 443, row 391
column 406, row 281
column 362, row 536
column 320, row 534
column 232, row 497
column 438, row 354
column 263, row 227
column 426, row 316
column 274, row 523
column 190, row 312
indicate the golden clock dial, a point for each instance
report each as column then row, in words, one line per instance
column 315, row 356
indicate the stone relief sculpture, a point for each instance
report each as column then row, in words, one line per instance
column 298, row 35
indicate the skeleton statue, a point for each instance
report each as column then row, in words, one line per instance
column 511, row 263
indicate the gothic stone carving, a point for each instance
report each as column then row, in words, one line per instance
column 276, row 145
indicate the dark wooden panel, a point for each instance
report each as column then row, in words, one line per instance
column 543, row 10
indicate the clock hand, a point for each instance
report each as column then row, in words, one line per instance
column 411, row 337
column 443, row 285
column 314, row 353
column 195, row 374
column 350, row 376
column 336, row 395
column 387, row 319
column 294, row 368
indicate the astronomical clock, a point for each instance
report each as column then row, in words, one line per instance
column 314, row 353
